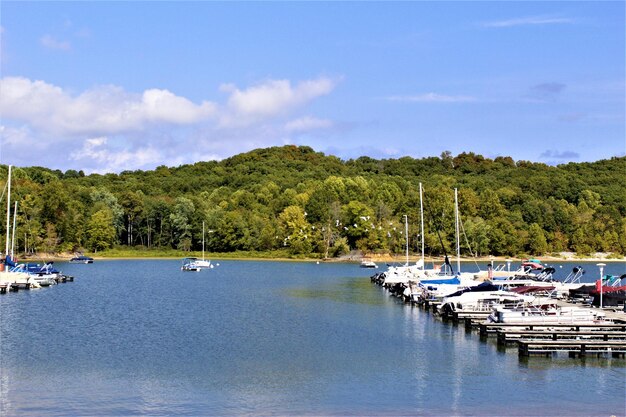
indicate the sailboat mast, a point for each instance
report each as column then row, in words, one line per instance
column 458, row 239
column 203, row 241
column 422, row 222
column 406, row 232
column 13, row 235
column 6, row 249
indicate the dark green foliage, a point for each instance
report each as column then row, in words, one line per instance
column 294, row 199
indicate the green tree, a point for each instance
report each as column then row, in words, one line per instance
column 181, row 222
column 100, row 230
column 295, row 230
column 537, row 244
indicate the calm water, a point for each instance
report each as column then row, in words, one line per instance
column 249, row 338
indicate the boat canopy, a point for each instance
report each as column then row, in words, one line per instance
column 454, row 281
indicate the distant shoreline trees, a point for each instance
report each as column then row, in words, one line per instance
column 312, row 204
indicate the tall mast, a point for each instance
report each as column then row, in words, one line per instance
column 422, row 222
column 6, row 249
column 458, row 238
column 406, row 232
column 203, row 241
column 13, row 235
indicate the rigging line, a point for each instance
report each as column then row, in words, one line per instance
column 468, row 244
column 445, row 253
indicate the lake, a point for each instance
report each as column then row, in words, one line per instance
column 141, row 337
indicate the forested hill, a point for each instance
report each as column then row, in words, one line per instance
column 307, row 203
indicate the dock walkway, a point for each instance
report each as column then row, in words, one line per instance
column 574, row 348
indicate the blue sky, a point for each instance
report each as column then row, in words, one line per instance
column 110, row 86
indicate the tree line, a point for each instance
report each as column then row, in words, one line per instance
column 307, row 203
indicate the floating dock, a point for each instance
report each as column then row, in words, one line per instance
column 601, row 339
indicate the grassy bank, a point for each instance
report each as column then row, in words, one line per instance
column 355, row 256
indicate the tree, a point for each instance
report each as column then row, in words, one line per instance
column 358, row 221
column 295, row 230
column 100, row 230
column 181, row 222
column 537, row 244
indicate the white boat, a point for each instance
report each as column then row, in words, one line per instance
column 6, row 276
column 481, row 301
column 203, row 263
column 544, row 313
column 190, row 265
column 368, row 263
column 44, row 275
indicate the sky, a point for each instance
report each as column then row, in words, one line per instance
column 111, row 86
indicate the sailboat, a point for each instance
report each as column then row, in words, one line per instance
column 7, row 277
column 203, row 263
column 195, row 264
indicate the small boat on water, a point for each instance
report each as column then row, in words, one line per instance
column 190, row 265
column 368, row 263
column 45, row 275
column 81, row 259
column 203, row 263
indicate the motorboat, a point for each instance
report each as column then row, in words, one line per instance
column 81, row 259
column 190, row 265
column 482, row 298
column 45, row 275
column 368, row 263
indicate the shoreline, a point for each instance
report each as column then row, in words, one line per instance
column 344, row 259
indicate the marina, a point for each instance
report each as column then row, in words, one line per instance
column 547, row 323
column 304, row 338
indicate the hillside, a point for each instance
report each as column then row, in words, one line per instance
column 307, row 203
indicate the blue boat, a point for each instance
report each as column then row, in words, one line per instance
column 190, row 265
column 81, row 259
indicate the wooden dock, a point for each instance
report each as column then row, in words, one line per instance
column 487, row 329
column 601, row 338
column 508, row 337
column 574, row 348
column 469, row 315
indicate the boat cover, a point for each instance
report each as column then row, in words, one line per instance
column 527, row 289
column 485, row 286
column 454, row 280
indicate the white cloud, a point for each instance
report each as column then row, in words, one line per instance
column 307, row 123
column 432, row 98
column 108, row 129
column 51, row 43
column 102, row 110
column 271, row 98
column 163, row 106
column 108, row 160
column 526, row 21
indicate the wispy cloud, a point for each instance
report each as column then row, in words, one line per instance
column 307, row 123
column 95, row 150
column 548, row 91
column 549, row 88
column 572, row 117
column 48, row 41
column 528, row 21
column 432, row 98
column 555, row 154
